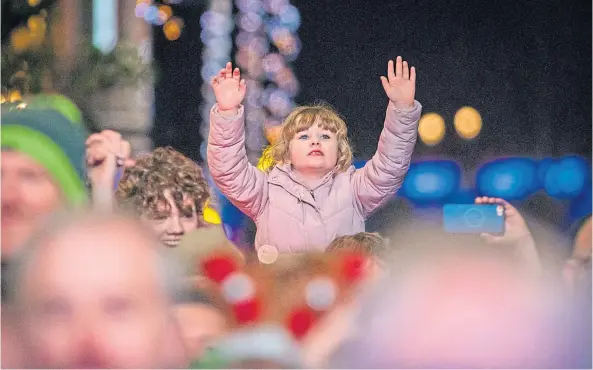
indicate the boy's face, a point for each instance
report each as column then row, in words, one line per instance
column 170, row 229
column 314, row 151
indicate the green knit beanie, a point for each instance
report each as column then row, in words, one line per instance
column 54, row 142
column 58, row 103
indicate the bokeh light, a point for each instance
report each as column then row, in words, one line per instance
column 272, row 130
column 37, row 30
column 266, row 44
column 566, row 178
column 250, row 22
column 468, row 123
column 582, row 205
column 151, row 14
column 172, row 28
column 33, row 3
column 431, row 181
column 161, row 18
column 15, row 96
column 272, row 64
column 20, row 39
column 508, row 178
column 158, row 15
column 267, row 254
column 290, row 18
column 166, row 9
column 276, row 6
column 36, row 23
column 287, row 81
column 140, row 9
column 246, row 6
column 217, row 25
column 542, row 169
column 431, row 129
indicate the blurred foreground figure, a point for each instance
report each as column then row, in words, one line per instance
column 265, row 346
column 42, row 171
column 95, row 292
column 452, row 304
column 577, row 269
column 202, row 321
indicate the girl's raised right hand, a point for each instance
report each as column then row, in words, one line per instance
column 229, row 89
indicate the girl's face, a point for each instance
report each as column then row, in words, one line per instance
column 314, row 151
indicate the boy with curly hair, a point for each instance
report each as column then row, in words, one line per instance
column 163, row 188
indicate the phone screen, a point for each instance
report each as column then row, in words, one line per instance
column 473, row 218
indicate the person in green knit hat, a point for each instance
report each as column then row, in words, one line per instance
column 43, row 169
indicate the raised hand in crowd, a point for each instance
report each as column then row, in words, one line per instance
column 229, row 90
column 400, row 83
column 106, row 153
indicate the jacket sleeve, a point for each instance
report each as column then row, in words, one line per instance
column 384, row 174
column 243, row 184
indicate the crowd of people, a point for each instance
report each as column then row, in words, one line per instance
column 110, row 261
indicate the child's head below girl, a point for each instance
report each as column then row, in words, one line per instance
column 371, row 245
column 314, row 142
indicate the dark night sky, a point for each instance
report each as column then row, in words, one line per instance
column 525, row 65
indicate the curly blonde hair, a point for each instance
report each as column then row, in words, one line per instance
column 301, row 119
column 141, row 188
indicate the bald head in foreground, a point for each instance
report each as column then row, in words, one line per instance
column 94, row 291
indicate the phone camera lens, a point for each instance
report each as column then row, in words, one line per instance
column 474, row 218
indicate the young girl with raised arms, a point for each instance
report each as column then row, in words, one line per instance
column 312, row 193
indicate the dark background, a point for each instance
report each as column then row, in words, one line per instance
column 525, row 65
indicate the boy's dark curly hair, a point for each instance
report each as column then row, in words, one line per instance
column 141, row 188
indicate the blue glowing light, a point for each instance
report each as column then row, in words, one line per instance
column 431, row 181
column 508, row 178
column 567, row 177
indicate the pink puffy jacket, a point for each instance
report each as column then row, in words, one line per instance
column 290, row 216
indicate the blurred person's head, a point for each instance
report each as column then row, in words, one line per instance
column 168, row 191
column 451, row 304
column 94, row 291
column 371, row 245
column 42, row 170
column 202, row 321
